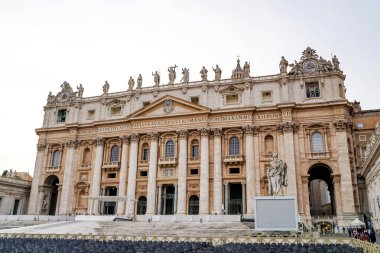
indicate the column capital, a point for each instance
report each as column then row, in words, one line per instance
column 99, row 141
column 342, row 125
column 251, row 130
column 288, row 127
column 217, row 132
column 305, row 178
column 182, row 134
column 336, row 178
column 225, row 184
column 153, row 136
column 125, row 139
column 204, row 131
column 72, row 143
column 135, row 138
column 41, row 147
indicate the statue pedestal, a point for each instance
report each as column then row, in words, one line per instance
column 275, row 213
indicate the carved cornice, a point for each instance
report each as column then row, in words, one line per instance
column 72, row 143
column 287, row 127
column 41, row 147
column 336, row 178
column 134, row 138
column 343, row 125
column 125, row 139
column 204, row 131
column 251, row 130
column 218, row 132
column 182, row 134
column 99, row 141
column 153, row 136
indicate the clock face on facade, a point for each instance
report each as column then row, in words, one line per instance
column 310, row 66
column 64, row 96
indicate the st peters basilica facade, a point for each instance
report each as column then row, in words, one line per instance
column 200, row 147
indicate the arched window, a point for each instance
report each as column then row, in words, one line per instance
column 269, row 145
column 82, row 203
column 195, row 149
column 114, row 154
column 56, row 158
column 234, row 146
column 145, row 152
column 317, row 143
column 86, row 156
column 169, row 151
column 194, row 205
column 141, row 205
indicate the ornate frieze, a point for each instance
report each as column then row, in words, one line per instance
column 72, row 144
column 182, row 134
column 287, row 127
column 134, row 137
column 153, row 136
column 343, row 125
column 125, row 139
column 204, row 131
column 251, row 130
column 41, row 147
column 99, row 141
column 217, row 132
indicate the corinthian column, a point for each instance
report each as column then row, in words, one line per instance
column 250, row 172
column 182, row 172
column 123, row 174
column 204, row 180
column 33, row 199
column 131, row 191
column 289, row 156
column 99, row 143
column 64, row 206
column 152, row 174
column 218, row 185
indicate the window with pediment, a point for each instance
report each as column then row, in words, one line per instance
column 114, row 154
column 317, row 143
column 195, row 149
column 169, row 149
column 145, row 152
column 234, row 147
column 56, row 159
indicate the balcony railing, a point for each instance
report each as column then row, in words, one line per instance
column 85, row 166
column 53, row 168
column 143, row 162
column 233, row 159
column 193, row 159
column 318, row 155
column 167, row 161
column 111, row 165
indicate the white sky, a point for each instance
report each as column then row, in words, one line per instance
column 43, row 43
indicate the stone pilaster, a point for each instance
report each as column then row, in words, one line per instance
column 204, row 179
column 38, row 166
column 40, row 198
column 182, row 172
column 64, row 206
column 244, row 201
column 159, row 205
column 97, row 172
column 131, row 191
column 218, row 185
column 338, row 197
column 226, row 197
column 249, row 166
column 123, row 174
column 152, row 174
column 289, row 156
column 305, row 196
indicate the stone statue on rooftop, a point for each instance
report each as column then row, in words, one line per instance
column 203, row 73
column 156, row 76
column 283, row 65
column 277, row 176
column 336, row 63
column 80, row 90
column 185, row 75
column 106, row 87
column 131, row 83
column 218, row 73
column 172, row 74
column 247, row 69
column 139, row 82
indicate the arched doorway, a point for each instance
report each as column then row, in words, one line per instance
column 141, row 205
column 321, row 191
column 194, row 204
column 49, row 200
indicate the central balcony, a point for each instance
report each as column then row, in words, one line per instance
column 111, row 166
column 53, row 168
column 233, row 159
column 167, row 161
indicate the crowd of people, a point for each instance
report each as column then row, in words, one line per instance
column 368, row 235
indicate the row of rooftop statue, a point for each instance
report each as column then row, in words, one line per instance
column 309, row 63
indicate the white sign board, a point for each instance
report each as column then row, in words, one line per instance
column 275, row 213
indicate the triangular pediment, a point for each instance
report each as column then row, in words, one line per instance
column 169, row 106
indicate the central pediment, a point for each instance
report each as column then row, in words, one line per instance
column 168, row 106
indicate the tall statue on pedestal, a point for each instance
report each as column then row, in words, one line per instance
column 185, row 77
column 80, row 90
column 131, row 83
column 139, row 82
column 336, row 63
column 283, row 65
column 277, row 176
column 106, row 87
column 203, row 73
column 247, row 69
column 156, row 77
column 172, row 74
column 218, row 73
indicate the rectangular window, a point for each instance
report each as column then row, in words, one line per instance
column 111, row 175
column 234, row 170
column 360, row 125
column 194, row 171
column 116, row 110
column 232, row 99
column 362, row 138
column 15, row 207
column 195, row 100
column 91, row 114
column 61, row 116
column 145, row 154
column 143, row 173
column 312, row 90
column 266, row 96
column 146, row 103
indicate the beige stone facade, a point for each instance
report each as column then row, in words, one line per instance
column 199, row 147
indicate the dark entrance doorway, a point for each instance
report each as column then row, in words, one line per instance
column 235, row 203
column 321, row 191
column 167, row 199
column 49, row 201
column 141, row 205
column 109, row 207
column 194, row 204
